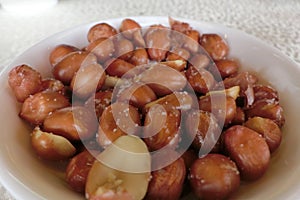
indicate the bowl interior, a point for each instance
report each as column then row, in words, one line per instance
column 26, row 177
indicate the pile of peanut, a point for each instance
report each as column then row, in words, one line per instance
column 171, row 86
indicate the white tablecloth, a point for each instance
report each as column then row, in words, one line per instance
column 276, row 22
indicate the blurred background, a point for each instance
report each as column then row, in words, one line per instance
column 23, row 24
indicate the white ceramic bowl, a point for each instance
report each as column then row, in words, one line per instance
column 26, row 177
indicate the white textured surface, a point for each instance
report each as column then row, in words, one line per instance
column 277, row 22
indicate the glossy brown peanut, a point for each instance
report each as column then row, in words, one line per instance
column 87, row 80
column 179, row 100
column 132, row 31
column 162, row 127
column 200, row 80
column 179, row 26
column 24, row 81
column 118, row 67
column 101, row 30
column 51, row 147
column 67, row 67
column 161, row 84
column 214, row 177
column 204, row 128
column 38, row 106
column 103, row 48
column 270, row 109
column 123, row 48
column 78, row 169
column 73, row 123
column 137, row 95
column 262, row 92
column 158, row 42
column 114, row 125
column 178, row 54
column 59, row 52
column 227, row 67
column 167, row 183
column 53, row 85
column 191, row 40
column 199, row 61
column 128, row 26
column 139, row 57
column 268, row 129
column 249, row 150
column 179, row 65
column 215, row 46
column 100, row 101
column 223, row 107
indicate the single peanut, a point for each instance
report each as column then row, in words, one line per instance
column 59, row 52
column 24, row 81
column 38, row 106
column 101, row 30
column 248, row 150
column 74, row 123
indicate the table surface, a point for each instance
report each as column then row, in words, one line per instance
column 277, row 22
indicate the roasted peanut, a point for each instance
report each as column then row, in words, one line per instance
column 214, row 177
column 137, row 95
column 191, row 41
column 179, row 100
column 262, row 92
column 100, row 101
column 122, row 171
column 227, row 67
column 167, row 183
column 139, row 57
column 199, row 61
column 51, row 147
column 161, row 84
column 162, row 127
column 201, row 80
column 123, row 48
column 203, row 127
column 268, row 129
column 179, row 65
column 87, row 80
column 118, row 67
column 179, row 26
column 38, row 106
column 128, row 26
column 59, row 52
column 69, row 65
column 215, row 46
column 73, row 123
column 103, row 48
column 178, row 54
column 223, row 107
column 101, row 30
column 158, row 41
column 248, row 150
column 245, row 81
column 53, row 85
column 78, row 169
column 24, row 81
column 132, row 30
column 114, row 123
column 270, row 109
